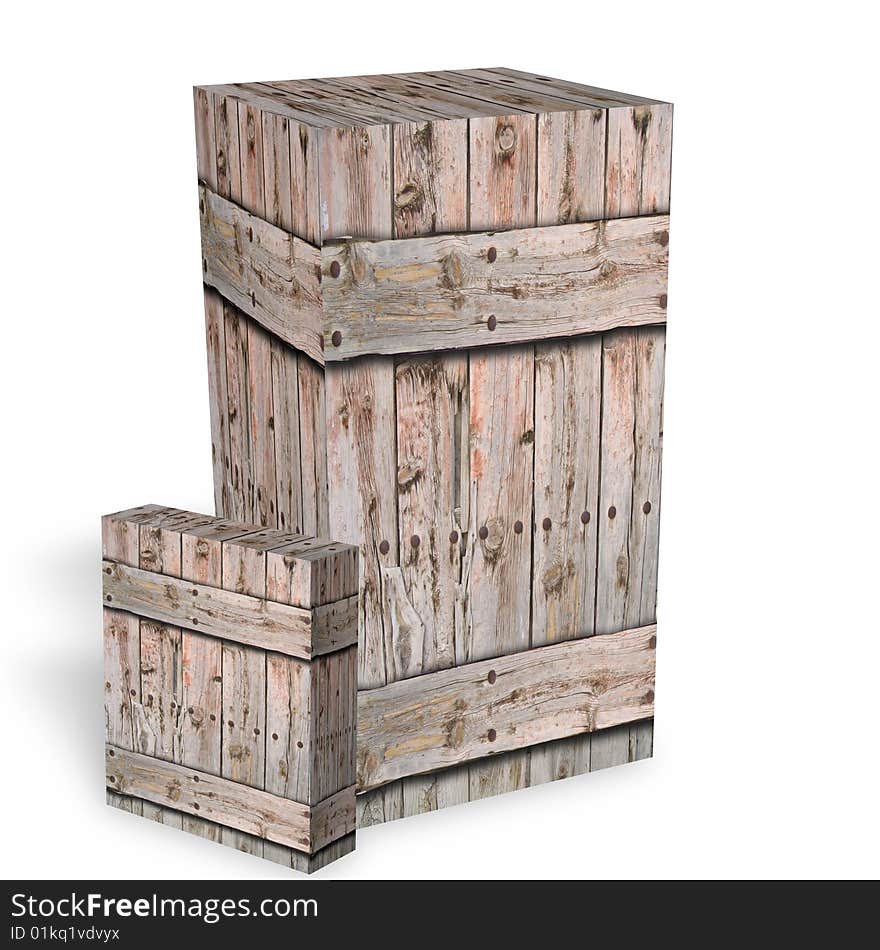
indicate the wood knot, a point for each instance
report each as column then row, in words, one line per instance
column 505, row 138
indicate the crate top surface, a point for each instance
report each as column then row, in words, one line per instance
column 240, row 535
column 417, row 97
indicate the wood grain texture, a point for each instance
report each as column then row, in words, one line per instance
column 268, row 273
column 439, row 293
column 568, row 393
column 637, row 182
column 495, row 609
column 481, row 709
column 252, row 621
column 229, row 803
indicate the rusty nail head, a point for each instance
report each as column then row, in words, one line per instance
column 107, row 570
column 652, row 643
column 649, row 696
column 195, row 621
column 299, row 744
column 275, row 736
column 196, row 778
column 415, row 540
column 113, row 778
column 647, row 507
column 112, row 752
column 196, row 806
column 493, row 735
column 384, row 547
column 585, row 517
column 195, row 593
column 663, row 301
column 491, row 255
column 663, row 238
column 334, row 268
column 491, row 323
column 229, row 723
column 256, row 732
column 546, row 524
column 492, row 676
column 336, row 339
column 517, row 527
column 612, row 512
column 484, row 532
column 109, row 597
column 453, row 537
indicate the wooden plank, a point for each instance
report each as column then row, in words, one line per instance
column 237, row 411
column 247, row 620
column 226, row 141
column 356, row 200
column 431, row 395
column 243, row 751
column 466, row 290
column 430, row 178
column 284, row 424
column 355, row 170
column 568, row 391
column 268, row 273
column 250, row 137
column 230, row 803
column 215, row 336
column 639, row 159
column 305, row 192
column 122, row 662
column 261, row 405
column 564, row 88
column 637, row 182
column 497, row 608
column 313, row 447
column 506, row 703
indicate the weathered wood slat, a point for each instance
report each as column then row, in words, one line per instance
column 496, row 576
column 268, row 273
column 437, row 293
column 568, row 391
column 493, row 706
column 637, row 182
column 224, row 613
column 231, row 804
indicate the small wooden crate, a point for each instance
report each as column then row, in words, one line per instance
column 436, row 309
column 230, row 656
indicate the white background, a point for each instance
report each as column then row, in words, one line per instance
column 767, row 735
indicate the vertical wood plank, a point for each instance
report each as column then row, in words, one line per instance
column 277, row 181
column 637, row 182
column 305, row 187
column 313, row 447
column 503, row 194
column 261, row 421
column 241, row 500
column 226, row 141
column 250, row 139
column 122, row 655
column 356, row 199
column 430, row 196
column 243, row 756
column 568, row 380
column 285, row 423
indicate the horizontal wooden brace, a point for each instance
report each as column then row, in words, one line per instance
column 296, row 631
column 466, row 290
column 351, row 298
column 268, row 273
column 306, row 828
column 452, row 716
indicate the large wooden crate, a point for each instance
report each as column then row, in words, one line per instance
column 229, row 693
column 436, row 310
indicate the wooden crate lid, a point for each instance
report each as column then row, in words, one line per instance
column 413, row 97
column 288, row 567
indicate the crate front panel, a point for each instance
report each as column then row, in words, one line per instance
column 213, row 704
column 503, row 497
